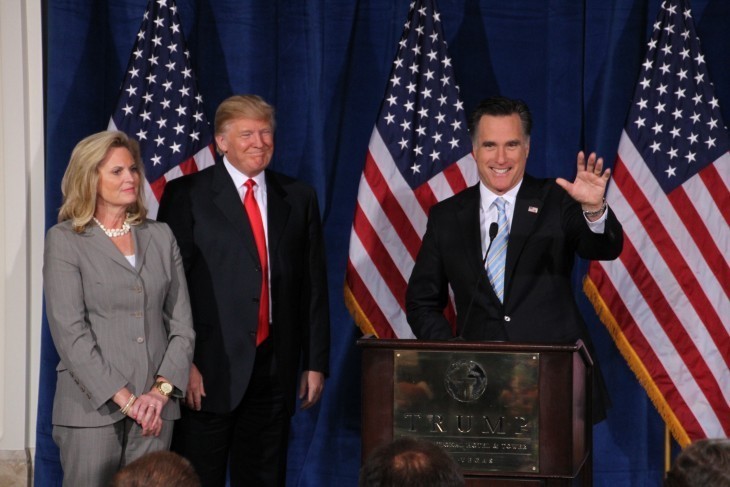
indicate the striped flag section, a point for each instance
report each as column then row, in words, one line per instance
column 419, row 154
column 159, row 104
column 666, row 299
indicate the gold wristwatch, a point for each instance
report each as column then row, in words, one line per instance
column 164, row 388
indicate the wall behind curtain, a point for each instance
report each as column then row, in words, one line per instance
column 324, row 64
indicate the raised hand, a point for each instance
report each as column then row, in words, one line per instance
column 590, row 182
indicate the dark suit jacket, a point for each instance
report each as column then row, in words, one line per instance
column 222, row 266
column 548, row 230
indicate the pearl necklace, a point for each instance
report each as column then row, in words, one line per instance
column 114, row 232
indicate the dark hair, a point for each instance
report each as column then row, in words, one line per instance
column 157, row 469
column 703, row 463
column 500, row 106
column 410, row 461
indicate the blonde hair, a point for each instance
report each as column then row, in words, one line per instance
column 81, row 179
column 243, row 106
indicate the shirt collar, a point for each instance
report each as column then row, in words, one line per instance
column 487, row 197
column 239, row 178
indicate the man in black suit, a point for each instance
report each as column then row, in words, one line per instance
column 251, row 242
column 543, row 225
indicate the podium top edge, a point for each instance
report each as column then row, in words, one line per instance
column 413, row 344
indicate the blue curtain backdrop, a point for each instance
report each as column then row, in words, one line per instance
column 324, row 64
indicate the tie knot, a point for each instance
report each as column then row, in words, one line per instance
column 250, row 184
column 500, row 203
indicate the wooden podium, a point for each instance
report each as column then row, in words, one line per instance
column 512, row 414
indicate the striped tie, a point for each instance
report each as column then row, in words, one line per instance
column 498, row 252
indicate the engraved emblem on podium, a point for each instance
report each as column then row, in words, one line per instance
column 465, row 381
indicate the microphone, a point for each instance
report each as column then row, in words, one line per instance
column 493, row 229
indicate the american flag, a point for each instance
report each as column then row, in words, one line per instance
column 159, row 104
column 665, row 300
column 419, row 154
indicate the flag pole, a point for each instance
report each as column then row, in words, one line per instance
column 667, row 450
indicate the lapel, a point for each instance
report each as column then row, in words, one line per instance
column 142, row 237
column 104, row 244
column 528, row 206
column 278, row 210
column 468, row 220
column 226, row 198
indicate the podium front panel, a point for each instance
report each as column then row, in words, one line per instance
column 481, row 407
column 399, row 387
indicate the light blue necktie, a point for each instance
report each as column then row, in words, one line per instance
column 498, row 252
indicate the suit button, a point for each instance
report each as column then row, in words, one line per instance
column 507, row 318
column 140, row 339
column 252, row 333
column 255, row 300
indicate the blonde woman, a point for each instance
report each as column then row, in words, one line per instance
column 119, row 313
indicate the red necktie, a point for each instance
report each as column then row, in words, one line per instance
column 257, row 225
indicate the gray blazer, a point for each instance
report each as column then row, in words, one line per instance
column 114, row 325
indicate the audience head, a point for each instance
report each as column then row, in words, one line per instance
column 413, row 462
column 701, row 464
column 157, row 469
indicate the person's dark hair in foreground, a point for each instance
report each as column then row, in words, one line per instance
column 158, row 469
column 704, row 463
column 412, row 462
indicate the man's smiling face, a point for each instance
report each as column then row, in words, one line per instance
column 501, row 149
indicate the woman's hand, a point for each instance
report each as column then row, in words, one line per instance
column 123, row 398
column 147, row 410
